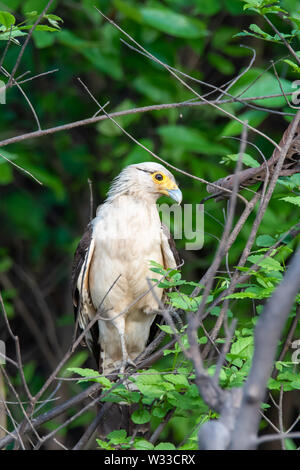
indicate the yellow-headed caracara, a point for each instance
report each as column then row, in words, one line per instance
column 112, row 264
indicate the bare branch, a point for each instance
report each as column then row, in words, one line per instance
column 267, row 334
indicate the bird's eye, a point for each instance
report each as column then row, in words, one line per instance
column 159, row 177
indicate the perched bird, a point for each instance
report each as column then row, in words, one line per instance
column 111, row 268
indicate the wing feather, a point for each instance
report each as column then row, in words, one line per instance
column 171, row 255
column 84, row 310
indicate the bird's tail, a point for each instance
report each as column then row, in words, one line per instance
column 119, row 417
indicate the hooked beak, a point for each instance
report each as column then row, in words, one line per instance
column 175, row 194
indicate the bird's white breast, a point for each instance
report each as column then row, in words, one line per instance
column 127, row 234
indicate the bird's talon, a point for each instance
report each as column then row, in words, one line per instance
column 131, row 362
column 125, row 363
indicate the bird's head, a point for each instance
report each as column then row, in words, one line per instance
column 148, row 180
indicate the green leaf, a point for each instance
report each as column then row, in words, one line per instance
column 265, row 240
column 268, row 264
column 292, row 64
column 141, row 416
column 256, row 29
column 296, row 383
column 53, row 17
column 242, row 295
column 290, row 444
column 172, row 23
column 7, row 19
column 254, row 292
column 104, row 445
column 288, row 379
column 202, row 340
column 292, row 200
column 44, row 27
column 54, row 20
column 165, row 446
column 295, row 20
column 142, row 444
column 5, row 36
column 91, row 375
column 288, row 375
column 187, row 401
column 184, row 302
column 152, row 392
column 117, row 437
column 177, row 379
column 260, row 34
column 286, row 182
column 152, row 377
column 246, row 159
column 159, row 411
column 243, row 347
column 166, row 328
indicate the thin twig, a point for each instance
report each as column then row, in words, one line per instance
column 287, row 45
column 28, row 37
column 21, row 169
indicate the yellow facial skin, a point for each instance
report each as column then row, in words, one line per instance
column 164, row 184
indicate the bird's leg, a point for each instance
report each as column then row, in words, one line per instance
column 125, row 357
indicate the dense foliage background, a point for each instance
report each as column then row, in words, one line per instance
column 41, row 225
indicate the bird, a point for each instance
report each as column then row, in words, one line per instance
column 112, row 265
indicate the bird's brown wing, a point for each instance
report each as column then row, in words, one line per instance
column 83, row 306
column 170, row 253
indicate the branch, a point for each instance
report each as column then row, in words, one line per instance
column 19, row 58
column 251, row 176
column 267, row 334
column 126, row 112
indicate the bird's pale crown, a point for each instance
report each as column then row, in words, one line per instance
column 148, row 180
